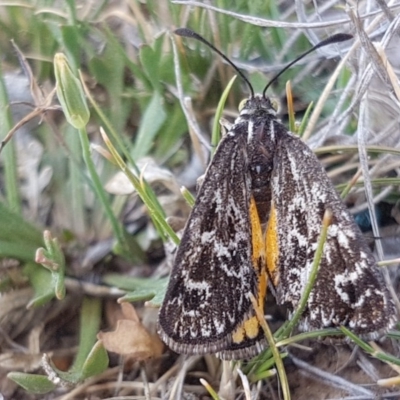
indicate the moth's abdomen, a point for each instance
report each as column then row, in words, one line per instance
column 261, row 189
column 261, row 149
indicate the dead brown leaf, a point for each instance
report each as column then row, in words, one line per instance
column 131, row 338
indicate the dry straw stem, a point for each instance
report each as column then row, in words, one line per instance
column 368, row 71
column 217, row 42
column 387, row 263
column 339, row 118
column 227, row 382
column 163, row 380
column 389, row 70
column 43, row 102
column 368, row 47
column 362, row 129
column 378, row 349
column 304, row 15
column 209, row 389
column 110, row 383
column 274, row 350
column 375, row 199
column 390, row 382
column 325, row 94
column 276, row 24
column 331, row 379
column 177, row 388
column 245, row 384
column 196, row 134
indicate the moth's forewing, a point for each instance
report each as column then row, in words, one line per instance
column 350, row 289
column 208, row 293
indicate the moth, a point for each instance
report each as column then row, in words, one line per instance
column 255, row 225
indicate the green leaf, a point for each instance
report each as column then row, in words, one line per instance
column 216, row 131
column 139, row 295
column 150, row 64
column 153, row 118
column 157, row 300
column 174, row 127
column 20, row 251
column 90, row 319
column 109, row 70
column 42, row 282
column 150, row 58
column 140, row 288
column 47, row 278
column 92, row 358
column 96, row 362
column 124, row 60
column 52, row 258
column 70, row 37
column 37, row 384
column 16, row 233
column 10, row 183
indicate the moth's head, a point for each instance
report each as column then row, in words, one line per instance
column 258, row 102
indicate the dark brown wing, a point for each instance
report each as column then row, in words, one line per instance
column 208, row 292
column 350, row 289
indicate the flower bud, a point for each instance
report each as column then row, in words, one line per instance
column 70, row 93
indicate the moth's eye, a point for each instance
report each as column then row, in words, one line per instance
column 241, row 104
column 275, row 104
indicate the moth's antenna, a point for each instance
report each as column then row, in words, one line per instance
column 340, row 37
column 189, row 33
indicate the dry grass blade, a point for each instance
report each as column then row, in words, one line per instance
column 271, row 23
column 331, row 379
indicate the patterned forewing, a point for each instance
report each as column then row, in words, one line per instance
column 207, row 296
column 349, row 284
